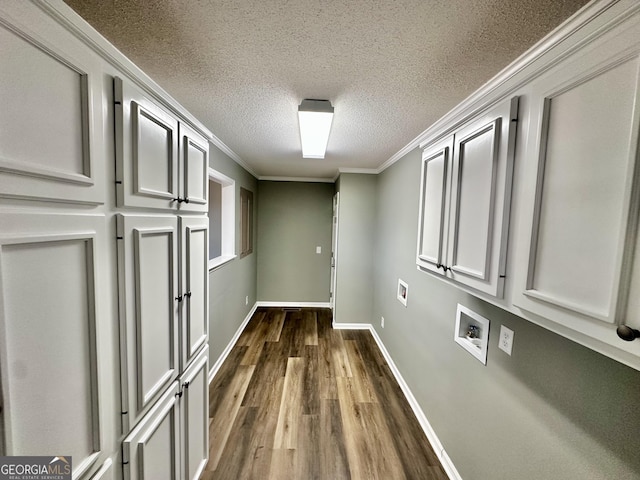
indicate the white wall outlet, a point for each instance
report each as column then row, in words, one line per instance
column 246, row 300
column 318, row 250
column 382, row 321
column 505, row 343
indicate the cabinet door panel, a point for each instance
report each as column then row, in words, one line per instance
column 51, row 344
column 194, row 161
column 473, row 192
column 146, row 151
column 151, row 450
column 148, row 289
column 53, row 157
column 482, row 174
column 194, row 416
column 194, row 286
column 586, row 143
column 433, row 220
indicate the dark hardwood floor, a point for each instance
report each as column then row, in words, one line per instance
column 298, row 400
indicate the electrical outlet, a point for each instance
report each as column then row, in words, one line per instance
column 505, row 343
column 246, row 300
column 382, row 321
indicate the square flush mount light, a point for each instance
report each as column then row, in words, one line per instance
column 315, row 118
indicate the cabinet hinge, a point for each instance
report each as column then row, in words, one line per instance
column 119, row 238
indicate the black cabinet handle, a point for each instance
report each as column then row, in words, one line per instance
column 188, row 294
column 179, row 299
column 627, row 333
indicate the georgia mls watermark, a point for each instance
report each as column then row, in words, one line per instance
column 35, row 468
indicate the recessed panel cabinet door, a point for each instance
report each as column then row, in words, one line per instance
column 149, row 307
column 52, row 325
column 194, row 286
column 436, row 169
column 194, row 411
column 152, row 450
column 480, row 199
column 194, row 166
column 582, row 155
column 43, row 155
column 146, row 150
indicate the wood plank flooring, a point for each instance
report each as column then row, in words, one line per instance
column 298, row 400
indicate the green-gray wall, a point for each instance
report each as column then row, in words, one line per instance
column 230, row 283
column 294, row 219
column 553, row 411
column 356, row 236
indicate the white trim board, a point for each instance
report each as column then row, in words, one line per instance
column 294, row 304
column 442, row 455
column 225, row 353
column 351, row 326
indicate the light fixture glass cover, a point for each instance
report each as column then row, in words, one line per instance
column 315, row 117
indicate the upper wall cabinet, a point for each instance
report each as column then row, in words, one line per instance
column 465, row 201
column 582, row 188
column 160, row 163
column 49, row 156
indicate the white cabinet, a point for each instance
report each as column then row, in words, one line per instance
column 194, row 415
column 194, row 280
column 171, row 441
column 582, row 189
column 160, row 163
column 163, row 288
column 55, row 337
column 152, row 450
column 465, row 201
column 50, row 124
column 149, row 305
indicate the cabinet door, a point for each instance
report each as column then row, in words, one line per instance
column 194, row 281
column 582, row 149
column 148, row 291
column 480, row 199
column 436, row 167
column 152, row 450
column 43, row 155
column 194, row 413
column 194, row 167
column 54, row 336
column 146, row 150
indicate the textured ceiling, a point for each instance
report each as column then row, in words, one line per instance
column 391, row 68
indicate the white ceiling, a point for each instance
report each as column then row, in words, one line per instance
column 390, row 68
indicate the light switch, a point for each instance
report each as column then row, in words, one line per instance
column 318, row 250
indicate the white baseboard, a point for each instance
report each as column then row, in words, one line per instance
column 225, row 353
column 446, row 462
column 295, row 304
column 352, row 326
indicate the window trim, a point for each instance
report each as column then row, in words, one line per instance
column 246, row 195
column 228, row 218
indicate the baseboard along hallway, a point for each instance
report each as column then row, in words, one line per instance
column 297, row 399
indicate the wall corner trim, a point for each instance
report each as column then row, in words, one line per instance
column 444, row 458
column 225, row 353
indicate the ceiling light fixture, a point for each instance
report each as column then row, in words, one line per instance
column 315, row 118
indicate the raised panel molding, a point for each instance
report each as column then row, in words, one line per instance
column 194, row 406
column 433, row 223
column 63, row 164
column 53, row 343
column 149, row 309
column 194, row 286
column 194, row 163
column 147, row 159
column 150, row 451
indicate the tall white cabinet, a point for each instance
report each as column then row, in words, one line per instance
column 103, row 256
column 162, row 233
